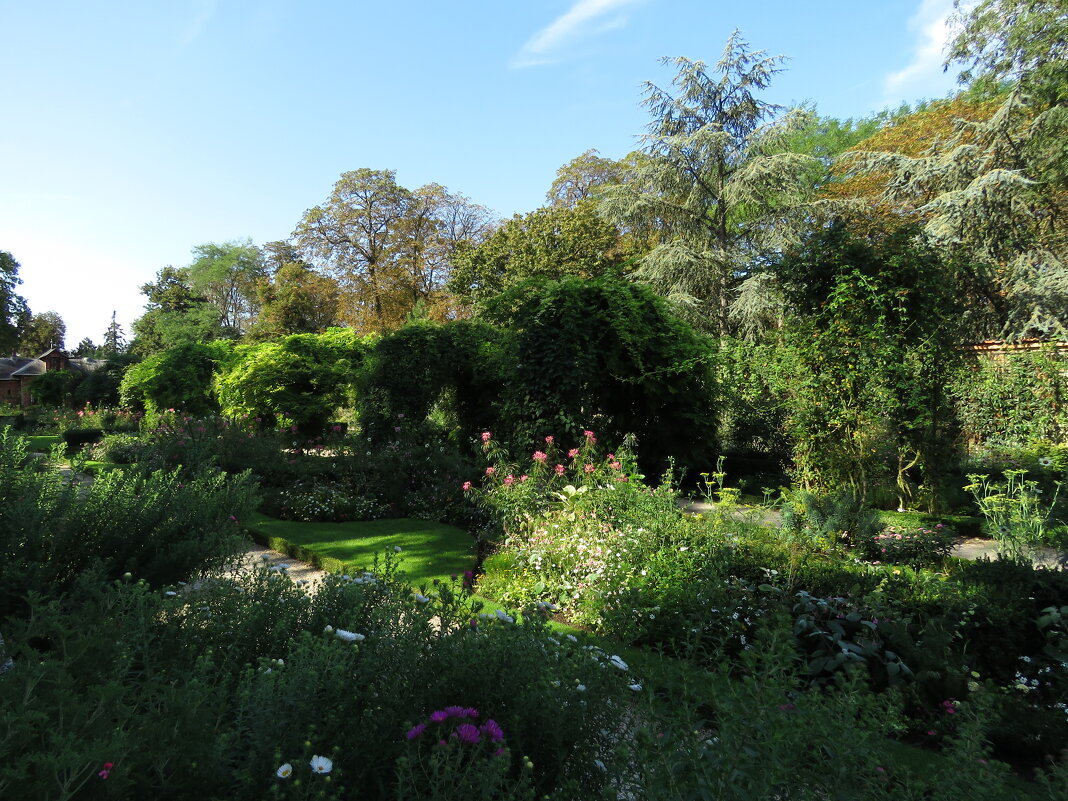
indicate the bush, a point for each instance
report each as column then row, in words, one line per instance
column 918, row 547
column 158, row 526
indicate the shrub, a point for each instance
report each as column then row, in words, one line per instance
column 158, row 526
column 918, row 547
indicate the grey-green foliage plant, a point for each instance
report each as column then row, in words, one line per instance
column 717, row 180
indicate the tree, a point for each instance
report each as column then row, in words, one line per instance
column 582, row 178
column 175, row 314
column 302, row 378
column 85, row 349
column 176, row 378
column 386, row 246
column 42, row 331
column 14, row 313
column 717, row 181
column 549, row 243
column 297, row 300
column 114, row 338
column 996, row 189
column 226, row 276
column 1024, row 42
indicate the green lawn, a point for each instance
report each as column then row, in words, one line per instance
column 428, row 550
column 43, row 443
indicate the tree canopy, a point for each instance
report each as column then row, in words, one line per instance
column 717, row 180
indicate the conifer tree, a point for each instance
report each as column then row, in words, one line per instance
column 717, row 181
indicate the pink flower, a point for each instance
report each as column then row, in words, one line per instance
column 486, row 436
column 549, row 439
column 336, row 429
column 614, row 465
column 107, row 765
column 588, row 468
column 590, row 438
column 467, row 486
column 559, row 470
column 494, row 733
column 880, row 769
column 571, row 454
column 467, row 733
column 539, row 456
column 490, row 471
column 415, row 731
column 509, row 480
column 524, row 477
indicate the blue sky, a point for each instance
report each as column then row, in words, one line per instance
column 134, row 131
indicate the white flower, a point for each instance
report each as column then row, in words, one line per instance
column 580, row 687
column 170, row 593
column 572, row 637
column 328, row 629
column 599, row 764
column 1045, row 461
column 619, row 663
column 321, row 764
column 504, row 616
column 421, row 598
column 636, row 687
column 284, row 771
column 397, row 549
column 349, row 636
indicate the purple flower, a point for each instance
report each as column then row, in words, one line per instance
column 494, row 733
column 471, row 712
column 467, row 733
column 439, row 716
column 415, row 731
column 455, row 711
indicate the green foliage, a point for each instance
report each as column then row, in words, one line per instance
column 608, row 355
column 56, row 387
column 918, row 547
column 717, row 180
column 226, row 276
column 54, row 530
column 42, row 332
column 301, row 379
column 871, row 340
column 830, row 519
column 100, row 387
column 1014, row 398
column 175, row 315
column 548, row 243
column 179, row 378
column 13, row 309
column 1017, row 516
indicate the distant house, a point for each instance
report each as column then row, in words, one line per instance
column 17, row 373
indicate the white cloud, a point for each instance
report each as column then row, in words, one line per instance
column 545, row 46
column 923, row 76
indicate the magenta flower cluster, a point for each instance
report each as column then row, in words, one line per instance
column 467, row 729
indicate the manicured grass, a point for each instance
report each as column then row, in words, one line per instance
column 428, row 550
column 43, row 443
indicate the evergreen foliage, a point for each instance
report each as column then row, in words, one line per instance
column 718, row 181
